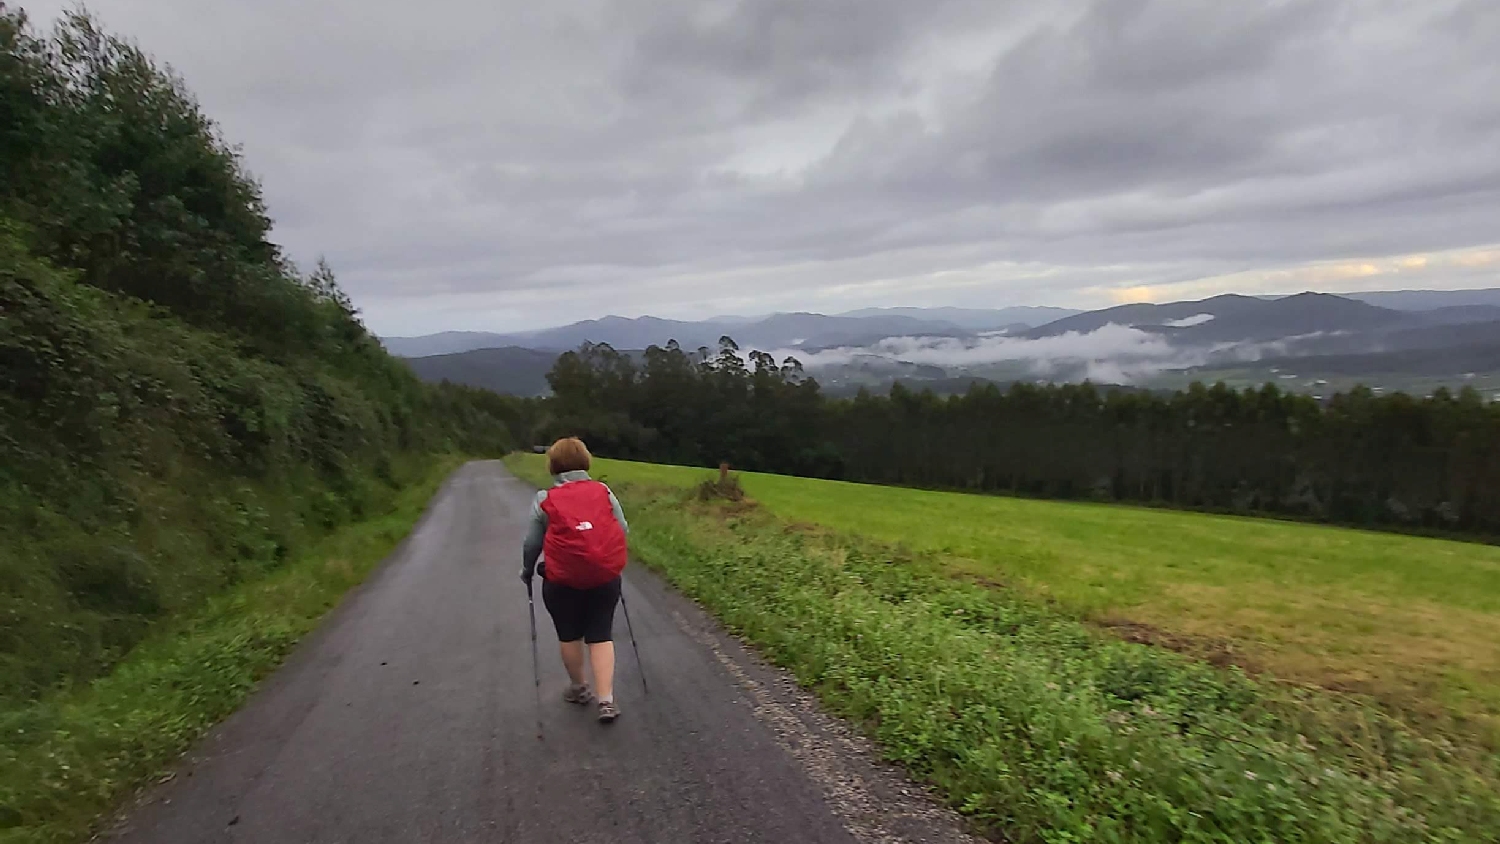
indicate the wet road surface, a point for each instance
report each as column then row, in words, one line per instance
column 411, row 716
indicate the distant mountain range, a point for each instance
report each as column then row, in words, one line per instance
column 1233, row 318
column 1128, row 344
column 974, row 319
column 1428, row 300
column 511, row 370
column 789, row 330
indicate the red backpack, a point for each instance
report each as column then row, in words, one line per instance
column 585, row 545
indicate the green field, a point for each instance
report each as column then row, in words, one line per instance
column 1413, row 621
column 980, row 641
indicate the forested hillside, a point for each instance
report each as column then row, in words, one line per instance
column 180, row 407
column 1357, row 458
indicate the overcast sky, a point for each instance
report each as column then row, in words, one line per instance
column 471, row 164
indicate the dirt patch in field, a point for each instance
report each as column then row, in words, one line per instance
column 820, row 534
column 988, row 581
column 806, row 529
column 724, row 514
column 1221, row 653
column 743, row 507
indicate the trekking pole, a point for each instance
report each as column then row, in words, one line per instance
column 536, row 663
column 633, row 645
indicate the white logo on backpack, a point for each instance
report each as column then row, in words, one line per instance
column 584, row 526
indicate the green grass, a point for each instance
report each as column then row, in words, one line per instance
column 1029, row 717
column 72, row 756
column 1411, row 621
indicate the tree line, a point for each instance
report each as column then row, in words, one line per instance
column 1357, row 458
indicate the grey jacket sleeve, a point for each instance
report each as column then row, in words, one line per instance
column 619, row 513
column 532, row 548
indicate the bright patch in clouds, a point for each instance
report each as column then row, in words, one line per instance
column 1449, row 270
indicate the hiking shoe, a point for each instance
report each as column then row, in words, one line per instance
column 580, row 693
column 608, row 712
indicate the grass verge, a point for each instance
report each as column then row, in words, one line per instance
column 69, row 758
column 1037, row 725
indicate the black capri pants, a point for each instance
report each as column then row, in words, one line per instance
column 587, row 614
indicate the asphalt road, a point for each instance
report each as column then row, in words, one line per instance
column 411, row 716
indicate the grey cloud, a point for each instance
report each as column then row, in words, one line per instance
column 779, row 54
column 498, row 166
column 1130, row 97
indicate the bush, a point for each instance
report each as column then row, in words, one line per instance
column 725, row 487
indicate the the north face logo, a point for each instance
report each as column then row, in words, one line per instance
column 584, row 526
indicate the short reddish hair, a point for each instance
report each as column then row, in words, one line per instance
column 568, row 454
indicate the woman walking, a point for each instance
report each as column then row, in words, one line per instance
column 579, row 530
